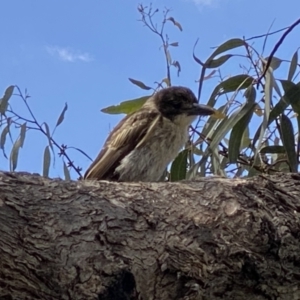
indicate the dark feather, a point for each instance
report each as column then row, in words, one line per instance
column 121, row 141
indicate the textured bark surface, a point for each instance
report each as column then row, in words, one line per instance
column 214, row 238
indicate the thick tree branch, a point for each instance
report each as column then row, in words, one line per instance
column 214, row 238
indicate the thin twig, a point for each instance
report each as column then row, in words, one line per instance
column 277, row 45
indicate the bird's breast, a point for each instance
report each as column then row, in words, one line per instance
column 148, row 161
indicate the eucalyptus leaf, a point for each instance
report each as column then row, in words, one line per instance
column 4, row 100
column 179, row 166
column 62, row 115
column 66, row 172
column 46, row 161
column 288, row 140
column 126, row 107
column 139, row 84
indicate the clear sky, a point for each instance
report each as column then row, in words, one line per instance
column 82, row 53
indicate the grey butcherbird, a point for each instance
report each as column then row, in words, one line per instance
column 142, row 145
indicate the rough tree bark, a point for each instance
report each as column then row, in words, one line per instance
column 213, row 238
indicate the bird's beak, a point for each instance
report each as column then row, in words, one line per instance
column 201, row 110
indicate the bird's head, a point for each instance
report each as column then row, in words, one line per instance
column 180, row 105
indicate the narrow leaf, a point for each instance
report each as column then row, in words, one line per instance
column 175, row 23
column 139, row 84
column 232, row 84
column 49, row 136
column 272, row 149
column 237, row 134
column 197, row 60
column 126, row 107
column 293, row 66
column 193, row 171
column 216, row 164
column 228, row 45
column 288, row 140
column 246, row 141
column 46, row 161
column 22, row 134
column 169, row 59
column 268, row 97
column 178, row 167
column 292, row 94
column 4, row 100
column 66, row 172
column 212, row 122
column 228, row 123
column 275, row 62
column 210, row 75
column 14, row 154
column 176, row 64
column 238, row 130
column 4, row 132
column 215, row 63
column 62, row 115
column 3, row 136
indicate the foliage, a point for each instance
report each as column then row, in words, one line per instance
column 12, row 121
column 260, row 133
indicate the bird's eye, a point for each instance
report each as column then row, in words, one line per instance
column 177, row 104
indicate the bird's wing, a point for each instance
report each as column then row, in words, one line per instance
column 127, row 135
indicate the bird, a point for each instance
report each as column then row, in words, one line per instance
column 142, row 145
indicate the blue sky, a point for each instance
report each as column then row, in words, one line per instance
column 82, row 53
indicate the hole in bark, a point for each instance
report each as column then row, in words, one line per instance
column 249, row 271
column 122, row 287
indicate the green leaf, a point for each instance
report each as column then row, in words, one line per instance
column 49, row 136
column 46, row 161
column 126, row 107
column 177, row 24
column 293, row 66
column 292, row 94
column 272, row 149
column 14, row 154
column 22, row 134
column 215, row 63
column 229, row 122
column 275, row 62
column 292, row 91
column 193, row 171
column 176, row 64
column 62, row 115
column 212, row 123
column 4, row 132
column 228, row 45
column 216, row 164
column 236, row 82
column 169, row 58
column 237, row 133
column 66, row 172
column 139, row 84
column 266, row 119
column 197, row 60
column 232, row 84
column 288, row 140
column 178, row 167
column 4, row 100
column 3, row 136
